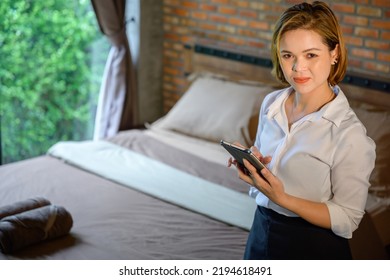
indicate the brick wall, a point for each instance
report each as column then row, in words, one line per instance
column 245, row 26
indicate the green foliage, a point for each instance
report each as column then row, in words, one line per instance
column 45, row 74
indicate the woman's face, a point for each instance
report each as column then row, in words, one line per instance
column 305, row 60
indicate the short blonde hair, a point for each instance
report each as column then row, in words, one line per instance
column 319, row 18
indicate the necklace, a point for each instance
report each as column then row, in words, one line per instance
column 292, row 117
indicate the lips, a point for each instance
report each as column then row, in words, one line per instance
column 302, row 80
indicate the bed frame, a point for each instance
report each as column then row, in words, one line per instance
column 235, row 65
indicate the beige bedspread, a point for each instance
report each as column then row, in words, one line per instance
column 115, row 222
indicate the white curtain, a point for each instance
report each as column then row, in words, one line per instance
column 117, row 105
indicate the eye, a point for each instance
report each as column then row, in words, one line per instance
column 286, row 56
column 311, row 55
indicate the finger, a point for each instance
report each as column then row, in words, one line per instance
column 238, row 144
column 244, row 175
column 267, row 175
column 256, row 152
column 249, row 166
column 255, row 178
column 266, row 159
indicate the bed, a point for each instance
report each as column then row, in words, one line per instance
column 164, row 192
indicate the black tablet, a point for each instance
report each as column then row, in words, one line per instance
column 239, row 153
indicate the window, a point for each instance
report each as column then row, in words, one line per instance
column 52, row 59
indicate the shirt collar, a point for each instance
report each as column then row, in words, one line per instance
column 275, row 107
column 333, row 112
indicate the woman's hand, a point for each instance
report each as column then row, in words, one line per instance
column 265, row 182
column 314, row 212
column 255, row 151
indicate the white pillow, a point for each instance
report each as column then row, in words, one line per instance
column 215, row 109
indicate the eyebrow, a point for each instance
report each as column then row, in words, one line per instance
column 305, row 51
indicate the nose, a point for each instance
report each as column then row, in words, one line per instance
column 298, row 65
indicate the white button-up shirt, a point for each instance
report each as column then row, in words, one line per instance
column 324, row 157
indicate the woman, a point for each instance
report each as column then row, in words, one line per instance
column 317, row 151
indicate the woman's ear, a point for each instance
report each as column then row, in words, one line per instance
column 335, row 54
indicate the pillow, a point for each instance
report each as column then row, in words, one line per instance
column 377, row 123
column 215, row 109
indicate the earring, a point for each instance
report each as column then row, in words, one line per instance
column 335, row 61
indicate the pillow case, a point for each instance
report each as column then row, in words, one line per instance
column 215, row 109
column 377, row 123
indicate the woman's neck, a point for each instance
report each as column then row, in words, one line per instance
column 299, row 105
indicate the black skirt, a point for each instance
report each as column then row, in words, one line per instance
column 277, row 237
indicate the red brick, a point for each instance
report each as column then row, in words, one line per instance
column 354, row 63
column 238, row 21
column 249, row 14
column 259, row 45
column 172, row 2
column 171, row 54
column 236, row 41
column 189, row 22
column 343, row 8
column 227, row 29
column 377, row 45
column 218, row 18
column 180, row 81
column 227, row 10
column 353, row 40
column 199, row 15
column 220, row 1
column 209, row 8
column 377, row 67
column 171, row 19
column 207, row 26
column 181, row 30
column 241, row 4
column 369, row 11
column 382, row 24
column 366, row 32
column 384, row 56
column 385, row 35
column 355, row 20
column 381, row 3
column 293, row 2
column 258, row 6
column 347, row 29
column 180, row 12
column 187, row 40
column 171, row 36
column 167, row 10
column 169, row 70
column 259, row 25
column 189, row 4
column 177, row 47
column 364, row 53
column 246, row 32
column 173, row 63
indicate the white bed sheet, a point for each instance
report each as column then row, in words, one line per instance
column 207, row 150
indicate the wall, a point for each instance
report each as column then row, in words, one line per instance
column 145, row 32
column 245, row 26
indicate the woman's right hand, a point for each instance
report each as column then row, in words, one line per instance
column 265, row 160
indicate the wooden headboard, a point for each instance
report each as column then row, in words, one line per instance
column 200, row 58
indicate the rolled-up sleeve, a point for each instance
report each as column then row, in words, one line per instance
column 354, row 160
